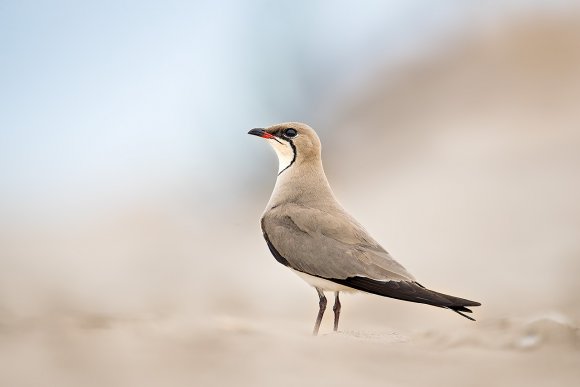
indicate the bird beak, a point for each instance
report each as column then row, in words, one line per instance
column 260, row 133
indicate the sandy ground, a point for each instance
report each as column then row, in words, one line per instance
column 225, row 350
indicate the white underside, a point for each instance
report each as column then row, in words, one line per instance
column 323, row 284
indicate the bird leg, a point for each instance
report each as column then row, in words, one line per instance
column 322, row 306
column 336, row 309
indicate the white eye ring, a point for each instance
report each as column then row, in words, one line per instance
column 290, row 133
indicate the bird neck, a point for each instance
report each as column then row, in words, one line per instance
column 303, row 183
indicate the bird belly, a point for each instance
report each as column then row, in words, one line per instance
column 322, row 283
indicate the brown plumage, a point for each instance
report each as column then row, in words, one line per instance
column 307, row 230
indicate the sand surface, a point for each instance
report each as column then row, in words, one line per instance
column 225, row 350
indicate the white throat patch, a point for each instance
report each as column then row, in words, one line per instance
column 284, row 152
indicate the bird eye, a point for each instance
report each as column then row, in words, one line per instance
column 290, row 132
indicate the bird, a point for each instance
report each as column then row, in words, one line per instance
column 308, row 231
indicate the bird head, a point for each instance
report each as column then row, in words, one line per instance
column 293, row 142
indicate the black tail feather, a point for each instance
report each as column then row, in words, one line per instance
column 463, row 309
column 410, row 291
column 460, row 312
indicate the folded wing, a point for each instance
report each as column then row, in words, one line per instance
column 335, row 247
column 330, row 246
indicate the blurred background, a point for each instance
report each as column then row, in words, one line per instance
column 130, row 193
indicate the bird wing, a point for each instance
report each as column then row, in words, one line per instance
column 334, row 246
column 330, row 245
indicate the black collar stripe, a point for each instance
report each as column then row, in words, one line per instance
column 293, row 157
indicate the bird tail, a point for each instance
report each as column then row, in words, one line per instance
column 460, row 310
column 410, row 291
column 459, row 304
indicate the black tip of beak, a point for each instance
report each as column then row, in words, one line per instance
column 257, row 132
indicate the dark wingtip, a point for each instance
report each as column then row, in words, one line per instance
column 409, row 291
